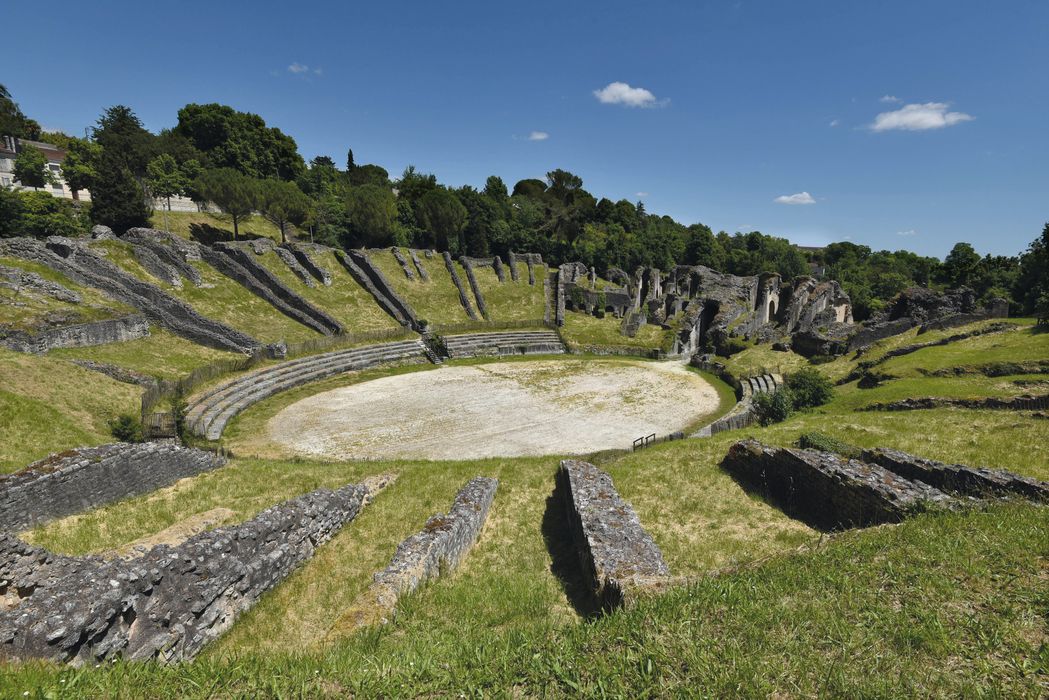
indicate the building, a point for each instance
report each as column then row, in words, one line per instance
column 10, row 147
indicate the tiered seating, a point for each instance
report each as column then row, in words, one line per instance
column 210, row 412
column 504, row 343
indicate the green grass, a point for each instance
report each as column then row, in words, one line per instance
column 584, row 329
column 161, row 354
column 29, row 311
column 179, row 222
column 49, row 405
column 345, row 300
column 512, row 301
column 122, row 255
column 760, row 359
column 437, row 300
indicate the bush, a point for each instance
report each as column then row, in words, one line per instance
column 808, row 388
column 126, row 428
column 826, row 443
column 731, row 346
column 773, row 408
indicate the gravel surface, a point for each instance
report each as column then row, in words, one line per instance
column 504, row 409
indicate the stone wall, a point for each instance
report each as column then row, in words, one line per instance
column 958, row 479
column 168, row 603
column 88, row 477
column 403, row 262
column 360, row 267
column 476, row 288
column 423, row 274
column 1013, row 403
column 463, row 299
column 827, row 490
column 618, row 557
column 435, row 550
column 302, row 251
column 79, row 335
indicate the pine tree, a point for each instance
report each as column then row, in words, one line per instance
column 117, row 200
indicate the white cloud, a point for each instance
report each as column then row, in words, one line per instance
column 835, row 122
column 298, row 68
column 889, row 98
column 318, row 71
column 799, row 198
column 919, row 117
column 622, row 94
column 641, row 194
column 538, row 136
column 908, row 232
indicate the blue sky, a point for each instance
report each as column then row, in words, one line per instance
column 721, row 109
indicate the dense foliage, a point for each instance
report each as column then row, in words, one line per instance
column 219, row 156
column 804, row 389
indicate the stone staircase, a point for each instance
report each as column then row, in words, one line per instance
column 210, row 411
column 742, row 414
column 539, row 342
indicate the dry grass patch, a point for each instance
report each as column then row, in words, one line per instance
column 437, row 300
column 161, row 354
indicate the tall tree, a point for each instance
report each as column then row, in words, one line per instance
column 441, row 214
column 13, row 122
column 959, row 267
column 239, row 140
column 121, row 135
column 282, row 203
column 117, row 200
column 371, row 216
column 165, row 180
column 231, row 191
column 1032, row 283
column 80, row 167
column 31, row 168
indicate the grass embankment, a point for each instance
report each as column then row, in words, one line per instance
column 345, row 300
column 181, row 222
column 509, row 300
column 161, row 354
column 29, row 310
column 436, row 300
column 584, row 329
column 49, row 405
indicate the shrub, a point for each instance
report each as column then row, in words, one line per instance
column 809, row 388
column 126, row 428
column 773, row 408
column 826, row 443
column 731, row 346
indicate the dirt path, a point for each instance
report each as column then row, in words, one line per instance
column 497, row 410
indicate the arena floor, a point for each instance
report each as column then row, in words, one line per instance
column 503, row 409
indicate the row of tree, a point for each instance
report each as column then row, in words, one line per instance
column 234, row 161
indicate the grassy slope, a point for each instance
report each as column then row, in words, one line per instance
column 437, row 301
column 161, row 354
column 93, row 306
column 512, row 301
column 584, row 329
column 48, row 405
column 179, row 223
column 918, row 609
column 345, row 300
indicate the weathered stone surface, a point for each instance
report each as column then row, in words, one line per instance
column 437, row 549
column 463, row 299
column 828, row 490
column 618, row 557
column 958, row 479
column 78, row 480
column 403, row 262
column 423, row 274
column 1014, row 403
column 302, row 253
column 168, row 603
column 23, row 281
column 289, row 259
column 467, row 264
column 100, row 232
column 361, row 268
column 504, row 343
column 121, row 374
column 78, row 335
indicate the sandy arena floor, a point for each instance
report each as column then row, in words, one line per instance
column 497, row 410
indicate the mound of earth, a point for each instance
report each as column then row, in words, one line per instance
column 497, row 410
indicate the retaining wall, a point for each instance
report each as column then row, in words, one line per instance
column 88, row 477
column 168, row 603
column 360, row 267
column 618, row 557
column 476, row 288
column 80, row 335
column 463, row 299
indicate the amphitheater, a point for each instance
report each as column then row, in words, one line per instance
column 380, row 467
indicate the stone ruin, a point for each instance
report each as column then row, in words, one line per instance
column 832, row 491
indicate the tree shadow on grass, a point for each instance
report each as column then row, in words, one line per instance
column 209, row 235
column 564, row 558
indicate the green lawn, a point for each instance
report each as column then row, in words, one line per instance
column 512, row 301
column 49, row 405
column 29, row 311
column 179, row 223
column 437, row 300
column 345, row 300
column 161, row 354
column 584, row 329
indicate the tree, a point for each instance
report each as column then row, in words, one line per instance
column 31, row 168
column 11, row 208
column 117, row 200
column 13, row 122
column 43, row 215
column 441, row 214
column 282, row 203
column 239, row 140
column 231, row 191
column 530, row 188
column 1032, row 282
column 349, row 160
column 165, row 180
column 960, row 265
column 123, row 138
column 80, row 167
column 371, row 216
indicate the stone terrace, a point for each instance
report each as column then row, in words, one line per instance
column 504, row 343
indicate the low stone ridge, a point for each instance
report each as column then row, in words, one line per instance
column 168, row 603
column 618, row 557
column 435, row 550
column 467, row 264
column 289, row 259
column 403, row 262
column 170, row 249
column 1014, row 403
column 76, row 261
column 302, row 251
column 121, row 374
column 958, row 479
column 742, row 414
column 423, row 274
column 22, row 280
column 504, row 343
column 361, row 268
column 209, row 412
column 78, row 480
column 79, row 335
column 463, row 299
column 827, row 490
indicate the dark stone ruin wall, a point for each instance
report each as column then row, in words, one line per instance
column 1014, row 403
column 827, row 490
column 78, row 480
column 423, row 274
column 293, row 264
column 463, row 299
column 467, row 264
column 80, row 335
column 361, row 268
column 403, row 262
column 302, row 251
column 168, row 603
column 618, row 557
